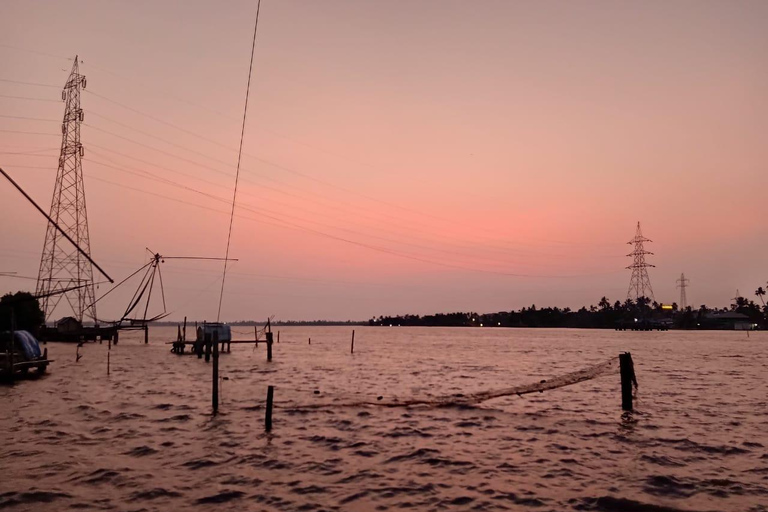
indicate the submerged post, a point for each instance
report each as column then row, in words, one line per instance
column 215, row 393
column 108, row 363
column 278, row 336
column 184, row 331
column 146, row 334
column 268, row 412
column 627, row 371
column 207, row 342
column 352, row 350
column 269, row 340
column 12, row 346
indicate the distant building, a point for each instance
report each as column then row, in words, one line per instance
column 730, row 320
column 68, row 324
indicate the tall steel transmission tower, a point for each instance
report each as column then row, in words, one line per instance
column 61, row 265
column 639, row 283
column 682, row 283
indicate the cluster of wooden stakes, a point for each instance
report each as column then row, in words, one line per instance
column 210, row 346
column 210, row 349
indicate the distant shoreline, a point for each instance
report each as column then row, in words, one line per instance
column 281, row 323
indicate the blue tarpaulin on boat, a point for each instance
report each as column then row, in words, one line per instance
column 28, row 344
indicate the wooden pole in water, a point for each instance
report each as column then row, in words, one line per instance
column 310, row 341
column 146, row 334
column 627, row 371
column 269, row 340
column 215, row 380
column 268, row 412
column 12, row 346
column 278, row 336
column 108, row 363
column 352, row 350
column 207, row 342
column 184, row 331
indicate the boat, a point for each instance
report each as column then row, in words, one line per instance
column 20, row 351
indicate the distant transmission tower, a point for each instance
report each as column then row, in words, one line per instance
column 682, row 283
column 640, row 283
column 61, row 265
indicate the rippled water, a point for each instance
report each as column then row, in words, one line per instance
column 143, row 438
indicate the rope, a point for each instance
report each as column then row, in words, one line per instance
column 239, row 156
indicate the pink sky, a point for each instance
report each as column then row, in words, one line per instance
column 450, row 144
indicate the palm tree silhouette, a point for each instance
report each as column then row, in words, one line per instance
column 760, row 293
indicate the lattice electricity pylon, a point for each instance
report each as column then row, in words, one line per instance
column 62, row 266
column 639, row 283
column 682, row 283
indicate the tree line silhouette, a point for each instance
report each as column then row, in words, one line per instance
column 605, row 315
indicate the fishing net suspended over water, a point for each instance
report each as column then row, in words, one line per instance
column 611, row 366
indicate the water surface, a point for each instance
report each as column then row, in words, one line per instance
column 143, row 438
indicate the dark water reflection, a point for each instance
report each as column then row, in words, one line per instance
column 142, row 438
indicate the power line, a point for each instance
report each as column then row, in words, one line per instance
column 30, row 152
column 30, row 118
column 36, row 84
column 384, row 250
column 27, row 98
column 35, row 52
column 128, row 139
column 30, row 133
column 333, row 205
column 262, row 210
column 279, row 166
column 190, row 161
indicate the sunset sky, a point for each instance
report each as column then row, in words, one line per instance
column 399, row 157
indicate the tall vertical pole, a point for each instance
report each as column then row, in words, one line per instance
column 12, row 346
column 215, row 378
column 627, row 371
column 268, row 411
